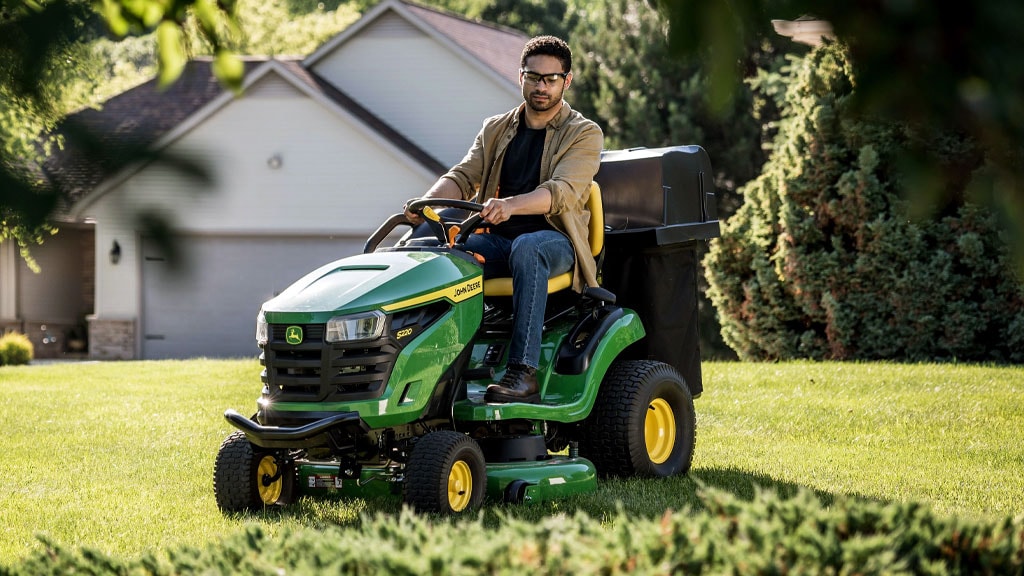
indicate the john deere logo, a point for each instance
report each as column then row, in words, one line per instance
column 293, row 335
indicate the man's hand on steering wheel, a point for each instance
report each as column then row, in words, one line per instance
column 415, row 217
column 422, row 209
column 496, row 210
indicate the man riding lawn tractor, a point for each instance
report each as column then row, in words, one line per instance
column 381, row 369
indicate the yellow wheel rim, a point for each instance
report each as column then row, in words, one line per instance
column 659, row 431
column 460, row 486
column 270, row 492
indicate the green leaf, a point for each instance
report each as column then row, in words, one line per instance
column 229, row 69
column 112, row 13
column 171, row 55
column 153, row 12
column 208, row 15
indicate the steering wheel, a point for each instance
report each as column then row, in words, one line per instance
column 450, row 234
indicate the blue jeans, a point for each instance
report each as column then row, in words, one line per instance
column 530, row 259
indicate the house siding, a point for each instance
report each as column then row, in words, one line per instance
column 413, row 81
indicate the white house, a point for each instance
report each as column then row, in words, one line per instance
column 304, row 164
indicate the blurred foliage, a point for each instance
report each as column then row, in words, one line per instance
column 32, row 39
column 532, row 17
column 279, row 28
column 823, row 260
column 946, row 68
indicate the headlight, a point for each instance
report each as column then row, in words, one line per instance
column 261, row 329
column 357, row 327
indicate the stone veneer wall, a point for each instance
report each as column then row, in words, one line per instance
column 111, row 339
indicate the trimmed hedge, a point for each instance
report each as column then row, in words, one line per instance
column 771, row 535
column 15, row 349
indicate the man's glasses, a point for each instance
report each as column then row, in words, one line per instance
column 548, row 79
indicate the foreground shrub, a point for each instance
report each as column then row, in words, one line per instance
column 771, row 535
column 15, row 349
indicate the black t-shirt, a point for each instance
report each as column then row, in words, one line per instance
column 520, row 173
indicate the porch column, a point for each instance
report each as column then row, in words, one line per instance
column 8, row 282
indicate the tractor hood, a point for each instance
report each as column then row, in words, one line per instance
column 387, row 281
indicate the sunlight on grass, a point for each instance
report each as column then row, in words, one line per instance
column 119, row 456
column 116, row 455
column 944, row 434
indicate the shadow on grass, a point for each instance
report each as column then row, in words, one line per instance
column 634, row 497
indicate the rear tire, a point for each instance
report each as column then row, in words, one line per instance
column 643, row 422
column 445, row 474
column 248, row 478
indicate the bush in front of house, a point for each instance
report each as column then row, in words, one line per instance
column 15, row 349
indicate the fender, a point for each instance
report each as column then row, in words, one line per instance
column 578, row 348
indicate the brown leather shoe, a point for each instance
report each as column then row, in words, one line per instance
column 519, row 384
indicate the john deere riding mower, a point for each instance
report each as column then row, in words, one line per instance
column 375, row 365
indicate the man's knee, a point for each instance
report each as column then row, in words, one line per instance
column 548, row 249
column 526, row 251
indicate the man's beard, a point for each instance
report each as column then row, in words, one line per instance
column 552, row 101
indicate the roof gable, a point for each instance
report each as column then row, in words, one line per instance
column 495, row 50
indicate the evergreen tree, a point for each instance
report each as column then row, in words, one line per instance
column 824, row 261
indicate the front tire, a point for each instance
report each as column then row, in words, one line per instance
column 247, row 478
column 643, row 422
column 445, row 474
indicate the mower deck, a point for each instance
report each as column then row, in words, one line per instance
column 514, row 482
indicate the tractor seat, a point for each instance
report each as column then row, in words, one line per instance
column 503, row 286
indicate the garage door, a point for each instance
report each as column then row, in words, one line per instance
column 209, row 307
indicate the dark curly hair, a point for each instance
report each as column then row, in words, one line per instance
column 548, row 46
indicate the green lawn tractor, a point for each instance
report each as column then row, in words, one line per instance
column 375, row 365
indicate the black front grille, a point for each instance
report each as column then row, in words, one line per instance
column 318, row 371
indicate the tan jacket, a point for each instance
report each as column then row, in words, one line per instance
column 571, row 157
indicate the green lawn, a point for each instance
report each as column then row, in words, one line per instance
column 118, row 456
